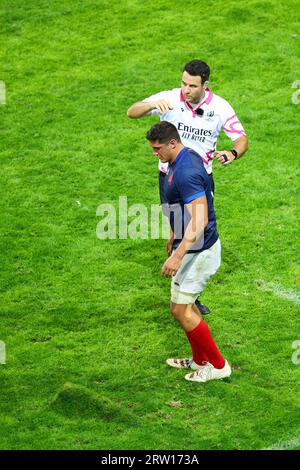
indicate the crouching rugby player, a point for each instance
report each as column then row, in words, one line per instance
column 196, row 250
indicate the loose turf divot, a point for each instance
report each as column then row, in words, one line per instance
column 74, row 400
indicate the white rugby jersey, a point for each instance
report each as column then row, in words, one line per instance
column 200, row 133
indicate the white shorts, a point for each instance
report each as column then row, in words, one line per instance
column 194, row 273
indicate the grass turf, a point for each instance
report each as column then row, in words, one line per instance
column 86, row 322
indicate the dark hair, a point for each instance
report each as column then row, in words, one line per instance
column 163, row 131
column 198, row 67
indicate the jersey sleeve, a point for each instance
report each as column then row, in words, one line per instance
column 231, row 124
column 163, row 95
column 191, row 185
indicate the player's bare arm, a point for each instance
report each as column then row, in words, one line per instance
column 199, row 220
column 142, row 108
column 170, row 242
column 240, row 147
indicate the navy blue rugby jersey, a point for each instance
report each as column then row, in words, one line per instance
column 187, row 180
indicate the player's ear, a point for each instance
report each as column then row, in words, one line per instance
column 205, row 84
column 173, row 143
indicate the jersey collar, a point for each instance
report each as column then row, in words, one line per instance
column 207, row 99
column 179, row 156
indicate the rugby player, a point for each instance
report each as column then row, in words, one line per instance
column 196, row 250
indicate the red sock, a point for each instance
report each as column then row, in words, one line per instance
column 199, row 356
column 202, row 339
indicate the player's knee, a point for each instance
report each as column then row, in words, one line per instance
column 188, row 312
column 175, row 310
column 181, row 312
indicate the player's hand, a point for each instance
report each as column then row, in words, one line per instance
column 225, row 157
column 163, row 106
column 171, row 266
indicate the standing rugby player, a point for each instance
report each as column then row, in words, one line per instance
column 196, row 254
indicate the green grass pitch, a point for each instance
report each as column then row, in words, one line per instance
column 86, row 322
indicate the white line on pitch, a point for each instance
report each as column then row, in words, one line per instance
column 285, row 445
column 277, row 290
